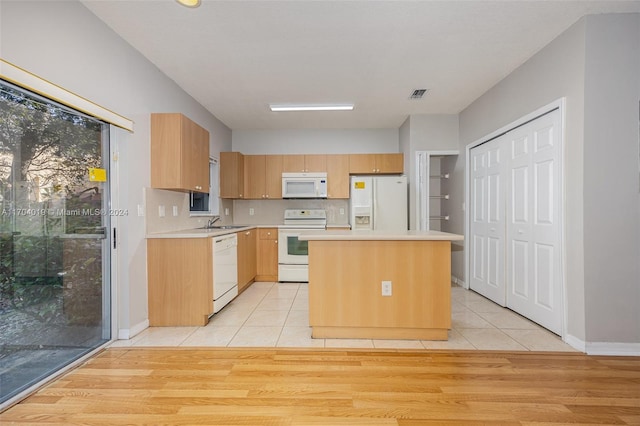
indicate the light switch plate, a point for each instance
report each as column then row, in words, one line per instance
column 251, row 212
column 161, row 211
column 386, row 288
column 175, row 210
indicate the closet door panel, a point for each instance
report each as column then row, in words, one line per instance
column 533, row 226
column 487, row 227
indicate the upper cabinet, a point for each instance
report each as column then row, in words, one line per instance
column 263, row 176
column 259, row 177
column 304, row 163
column 337, row 175
column 376, row 163
column 231, row 175
column 179, row 153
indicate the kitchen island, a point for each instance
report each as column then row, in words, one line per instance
column 380, row 285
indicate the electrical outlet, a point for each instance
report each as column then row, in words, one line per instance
column 251, row 212
column 386, row 288
column 226, row 211
column 175, row 210
column 161, row 211
column 341, row 211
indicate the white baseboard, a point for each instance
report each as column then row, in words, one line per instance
column 575, row 343
column 128, row 333
column 613, row 348
column 458, row 281
column 603, row 348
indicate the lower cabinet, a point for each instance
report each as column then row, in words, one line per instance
column 180, row 272
column 267, row 254
column 246, row 258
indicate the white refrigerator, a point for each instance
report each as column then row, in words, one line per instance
column 378, row 203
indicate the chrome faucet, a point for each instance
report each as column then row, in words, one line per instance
column 212, row 221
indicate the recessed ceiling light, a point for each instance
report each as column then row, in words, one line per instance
column 189, row 3
column 310, row 107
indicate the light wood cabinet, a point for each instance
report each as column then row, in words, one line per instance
column 345, row 294
column 337, row 175
column 180, row 281
column 231, row 175
column 259, row 177
column 376, row 163
column 179, row 153
column 304, row 163
column 247, row 243
column 263, row 176
column 267, row 255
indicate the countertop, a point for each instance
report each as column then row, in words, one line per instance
column 202, row 233
column 379, row 236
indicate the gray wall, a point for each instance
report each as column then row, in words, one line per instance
column 594, row 64
column 611, row 179
column 315, row 141
column 428, row 132
column 63, row 42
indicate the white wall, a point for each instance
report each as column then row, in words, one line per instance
column 315, row 141
column 65, row 43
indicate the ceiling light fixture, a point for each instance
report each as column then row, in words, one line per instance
column 310, row 107
column 189, row 3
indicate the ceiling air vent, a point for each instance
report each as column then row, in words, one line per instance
column 418, row 94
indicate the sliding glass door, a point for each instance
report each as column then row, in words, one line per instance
column 54, row 239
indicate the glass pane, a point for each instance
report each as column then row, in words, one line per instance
column 297, row 247
column 54, row 300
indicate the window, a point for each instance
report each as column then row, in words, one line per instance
column 207, row 204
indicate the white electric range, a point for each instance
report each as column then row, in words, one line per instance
column 293, row 254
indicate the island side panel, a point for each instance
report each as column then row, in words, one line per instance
column 345, row 289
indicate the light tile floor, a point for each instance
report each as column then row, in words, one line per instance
column 271, row 314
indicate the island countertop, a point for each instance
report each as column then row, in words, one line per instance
column 362, row 235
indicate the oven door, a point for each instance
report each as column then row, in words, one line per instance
column 291, row 250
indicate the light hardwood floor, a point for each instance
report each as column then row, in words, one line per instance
column 225, row 386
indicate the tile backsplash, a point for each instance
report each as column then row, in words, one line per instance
column 154, row 199
column 265, row 212
column 271, row 212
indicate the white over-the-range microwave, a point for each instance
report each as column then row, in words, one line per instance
column 304, row 185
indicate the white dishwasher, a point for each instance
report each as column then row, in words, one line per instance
column 225, row 270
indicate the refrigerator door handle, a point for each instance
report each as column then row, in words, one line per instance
column 374, row 204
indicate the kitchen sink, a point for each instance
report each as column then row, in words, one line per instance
column 223, row 227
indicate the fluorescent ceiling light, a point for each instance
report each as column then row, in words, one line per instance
column 189, row 3
column 311, row 107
